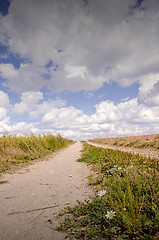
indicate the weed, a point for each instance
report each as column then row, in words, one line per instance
column 126, row 205
column 21, row 150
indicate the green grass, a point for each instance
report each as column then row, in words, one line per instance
column 132, row 192
column 18, row 151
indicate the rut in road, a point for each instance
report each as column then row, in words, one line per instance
column 32, row 199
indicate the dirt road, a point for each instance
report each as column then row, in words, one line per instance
column 33, row 197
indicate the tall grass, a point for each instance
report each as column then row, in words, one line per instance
column 126, row 204
column 20, row 150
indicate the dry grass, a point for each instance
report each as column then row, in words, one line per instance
column 18, row 151
column 143, row 141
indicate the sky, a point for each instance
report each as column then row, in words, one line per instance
column 82, row 68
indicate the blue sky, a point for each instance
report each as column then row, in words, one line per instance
column 84, row 69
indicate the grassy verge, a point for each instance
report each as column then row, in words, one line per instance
column 126, row 202
column 18, row 151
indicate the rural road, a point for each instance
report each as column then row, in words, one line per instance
column 33, row 197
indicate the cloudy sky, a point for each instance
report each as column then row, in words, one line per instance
column 82, row 68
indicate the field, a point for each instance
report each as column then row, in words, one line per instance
column 143, row 141
column 16, row 151
column 126, row 200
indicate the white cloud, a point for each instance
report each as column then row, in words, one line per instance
column 75, row 71
column 149, row 90
column 26, row 78
column 30, row 104
column 128, row 112
column 22, row 128
column 4, row 100
column 92, row 39
column 4, row 108
column 29, row 101
column 3, row 113
column 47, row 106
column 8, row 71
column 62, row 118
column 88, row 45
column 126, row 118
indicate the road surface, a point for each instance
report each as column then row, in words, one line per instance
column 33, row 197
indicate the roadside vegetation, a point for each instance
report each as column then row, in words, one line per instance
column 145, row 141
column 126, row 200
column 18, row 151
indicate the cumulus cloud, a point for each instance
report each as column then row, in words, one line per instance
column 4, row 100
column 26, row 78
column 149, row 90
column 3, row 112
column 126, row 118
column 29, row 101
column 4, row 108
column 47, row 106
column 21, row 128
column 62, row 118
column 30, row 104
column 90, row 43
column 70, row 45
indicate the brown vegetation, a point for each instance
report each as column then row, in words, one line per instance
column 16, row 151
column 142, row 141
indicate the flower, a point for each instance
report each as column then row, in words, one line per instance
column 119, row 168
column 110, row 214
column 102, row 193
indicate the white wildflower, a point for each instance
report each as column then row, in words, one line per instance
column 110, row 214
column 102, row 193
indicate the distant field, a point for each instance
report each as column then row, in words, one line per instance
column 142, row 141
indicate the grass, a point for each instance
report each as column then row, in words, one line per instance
column 126, row 201
column 129, row 142
column 18, row 151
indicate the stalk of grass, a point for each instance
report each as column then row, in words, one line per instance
column 21, row 150
column 130, row 197
column 132, row 192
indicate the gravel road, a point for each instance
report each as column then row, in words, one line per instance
column 33, row 197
